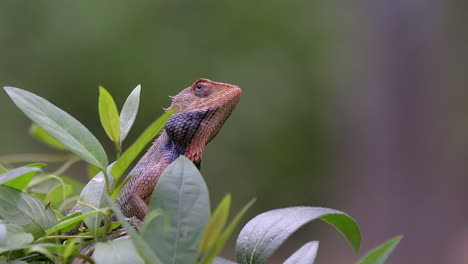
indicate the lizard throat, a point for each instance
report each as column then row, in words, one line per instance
column 187, row 134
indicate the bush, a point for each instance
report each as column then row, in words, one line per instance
column 179, row 227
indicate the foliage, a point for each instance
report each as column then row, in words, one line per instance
column 179, row 227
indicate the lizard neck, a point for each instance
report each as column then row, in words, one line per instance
column 171, row 150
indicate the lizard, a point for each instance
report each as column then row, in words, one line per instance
column 202, row 109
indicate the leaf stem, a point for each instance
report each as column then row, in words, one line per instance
column 63, row 237
column 19, row 158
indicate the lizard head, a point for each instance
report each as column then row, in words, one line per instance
column 206, row 94
column 202, row 109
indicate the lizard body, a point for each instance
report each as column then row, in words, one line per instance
column 202, row 110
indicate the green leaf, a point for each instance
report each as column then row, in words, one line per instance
column 12, row 235
column 119, row 251
column 40, row 134
column 44, row 183
column 380, row 254
column 182, row 193
column 264, row 234
column 61, row 126
column 305, row 255
column 20, row 177
column 69, row 222
column 101, row 230
column 219, row 244
column 215, row 225
column 135, row 149
column 92, row 170
column 3, row 169
column 25, row 210
column 129, row 112
column 109, row 115
column 58, row 194
column 94, row 194
column 143, row 249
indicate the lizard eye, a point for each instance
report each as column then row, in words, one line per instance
column 199, row 87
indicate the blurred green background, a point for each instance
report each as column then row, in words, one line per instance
column 352, row 105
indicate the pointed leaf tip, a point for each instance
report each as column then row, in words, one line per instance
column 60, row 125
column 109, row 115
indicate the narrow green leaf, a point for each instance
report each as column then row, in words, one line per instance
column 135, row 149
column 69, row 222
column 219, row 244
column 215, row 225
column 20, row 177
column 25, row 210
column 44, row 183
column 264, row 234
column 70, row 247
column 129, row 112
column 41, row 248
column 40, row 134
column 109, row 115
column 305, row 255
column 60, row 125
column 182, row 193
column 101, row 230
column 119, row 251
column 380, row 254
column 3, row 169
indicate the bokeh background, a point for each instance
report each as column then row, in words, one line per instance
column 355, row 105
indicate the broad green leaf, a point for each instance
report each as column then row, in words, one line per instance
column 31, row 248
column 219, row 260
column 305, row 255
column 40, row 134
column 25, row 210
column 215, row 225
column 119, row 251
column 135, row 149
column 264, row 234
column 94, row 194
column 58, row 194
column 60, row 125
column 143, row 249
column 20, row 177
column 182, row 193
column 129, row 112
column 380, row 254
column 12, row 235
column 109, row 115
column 219, row 244
column 92, row 171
